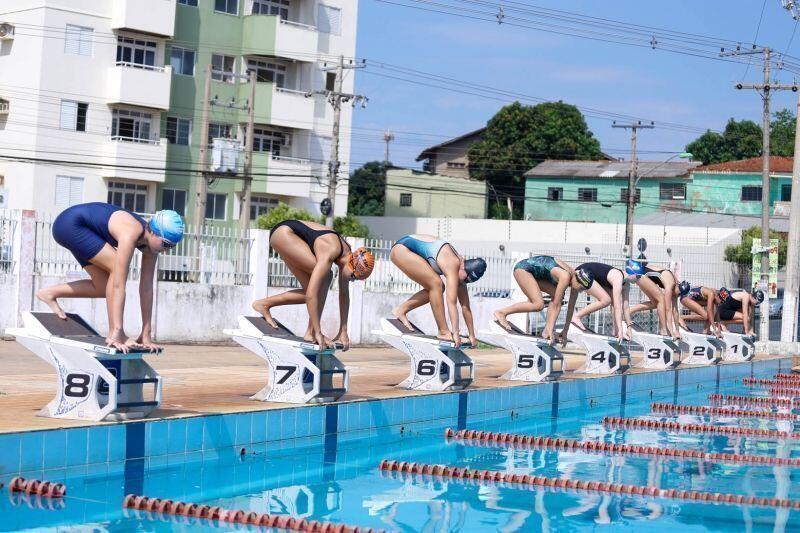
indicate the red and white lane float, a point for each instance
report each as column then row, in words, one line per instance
column 756, row 401
column 615, row 422
column 529, row 442
column 46, row 489
column 675, row 409
column 773, row 382
column 236, row 516
column 788, row 377
column 494, row 477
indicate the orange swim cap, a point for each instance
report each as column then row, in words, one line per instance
column 362, row 262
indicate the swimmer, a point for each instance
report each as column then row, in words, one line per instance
column 702, row 303
column 661, row 288
column 103, row 237
column 425, row 259
column 309, row 250
column 538, row 274
column 608, row 286
column 737, row 307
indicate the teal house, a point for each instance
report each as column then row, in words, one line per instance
column 596, row 191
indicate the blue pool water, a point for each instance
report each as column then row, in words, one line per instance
column 334, row 476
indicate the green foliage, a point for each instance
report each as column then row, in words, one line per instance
column 741, row 253
column 350, row 226
column 781, row 141
column 367, row 190
column 519, row 137
column 499, row 211
column 283, row 212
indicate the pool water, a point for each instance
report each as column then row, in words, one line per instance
column 338, row 480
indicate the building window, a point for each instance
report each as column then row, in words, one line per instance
column 73, row 115
column 261, row 205
column 272, row 7
column 786, row 192
column 623, row 195
column 128, row 125
column 329, row 19
column 265, row 140
column 182, row 60
column 268, row 72
column 130, row 196
column 672, row 191
column 174, row 199
column 69, row 191
column 231, row 7
column 587, row 195
column 78, row 40
column 751, row 193
column 192, row 3
column 456, row 165
column 218, row 131
column 215, row 206
column 136, row 52
column 222, row 68
column 405, row 199
column 179, row 130
column 555, row 194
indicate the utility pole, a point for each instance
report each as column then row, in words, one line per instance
column 244, row 201
column 337, row 97
column 632, row 180
column 388, row 137
column 202, row 183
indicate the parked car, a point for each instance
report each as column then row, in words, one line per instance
column 775, row 306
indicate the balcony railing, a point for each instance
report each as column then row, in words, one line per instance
column 140, row 140
column 287, row 159
column 298, row 24
column 140, row 66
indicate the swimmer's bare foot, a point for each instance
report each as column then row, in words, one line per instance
column 45, row 296
column 578, row 324
column 263, row 309
column 502, row 319
column 402, row 318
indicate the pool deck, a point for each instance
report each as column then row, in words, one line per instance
column 219, row 379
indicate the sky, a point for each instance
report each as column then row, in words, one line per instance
column 642, row 82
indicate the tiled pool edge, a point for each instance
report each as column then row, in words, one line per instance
column 128, row 444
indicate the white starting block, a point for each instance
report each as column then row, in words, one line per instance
column 95, row 382
column 435, row 364
column 299, row 372
column 604, row 355
column 738, row 347
column 701, row 349
column 659, row 351
column 534, row 358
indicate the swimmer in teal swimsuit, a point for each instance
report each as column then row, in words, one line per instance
column 538, row 274
column 424, row 259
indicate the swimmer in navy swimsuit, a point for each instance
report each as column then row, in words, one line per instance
column 538, row 274
column 661, row 288
column 609, row 286
column 702, row 305
column 103, row 237
column 737, row 307
column 424, row 259
column 309, row 251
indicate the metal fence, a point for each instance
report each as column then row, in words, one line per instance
column 8, row 228
column 221, row 256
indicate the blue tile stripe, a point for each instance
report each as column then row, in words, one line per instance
column 134, row 458
column 463, row 399
column 331, row 441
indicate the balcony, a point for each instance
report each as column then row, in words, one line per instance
column 282, row 107
column 5, row 106
column 156, row 17
column 121, row 153
column 269, row 35
column 139, row 85
column 298, row 184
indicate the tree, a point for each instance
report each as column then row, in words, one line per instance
column 283, row 212
column 367, row 190
column 350, row 226
column 781, row 140
column 519, row 137
column 741, row 253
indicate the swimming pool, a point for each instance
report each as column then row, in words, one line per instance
column 321, row 462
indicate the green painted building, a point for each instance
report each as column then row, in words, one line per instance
column 410, row 193
column 596, row 191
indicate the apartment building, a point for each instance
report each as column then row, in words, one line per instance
column 102, row 100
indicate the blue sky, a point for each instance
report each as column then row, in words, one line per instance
column 635, row 81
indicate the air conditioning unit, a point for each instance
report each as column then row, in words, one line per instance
column 6, row 31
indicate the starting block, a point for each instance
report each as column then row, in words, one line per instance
column 95, row 382
column 435, row 364
column 738, row 347
column 659, row 351
column 534, row 358
column 604, row 355
column 299, row 372
column 702, row 349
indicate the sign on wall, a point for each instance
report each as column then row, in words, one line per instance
column 773, row 267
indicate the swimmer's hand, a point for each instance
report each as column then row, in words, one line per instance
column 473, row 340
column 561, row 337
column 343, row 339
column 119, row 341
column 547, row 334
column 146, row 342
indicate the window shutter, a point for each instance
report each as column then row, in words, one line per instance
column 75, row 191
column 87, row 41
column 69, row 115
column 329, row 20
column 72, row 40
column 62, row 192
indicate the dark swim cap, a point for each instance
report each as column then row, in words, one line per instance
column 475, row 269
column 684, row 288
column 584, row 277
column 758, row 295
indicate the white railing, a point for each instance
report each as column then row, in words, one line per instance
column 8, row 228
column 140, row 140
column 298, row 25
column 304, row 94
column 141, row 66
column 288, row 159
column 221, row 257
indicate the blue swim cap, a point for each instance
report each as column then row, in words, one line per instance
column 634, row 268
column 475, row 269
column 168, row 225
column 684, row 288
